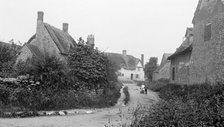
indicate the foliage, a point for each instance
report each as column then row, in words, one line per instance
column 157, row 85
column 90, row 67
column 183, row 106
column 8, row 54
column 127, row 95
column 150, row 67
column 88, row 79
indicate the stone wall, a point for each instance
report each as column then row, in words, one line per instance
column 208, row 56
column 181, row 64
column 24, row 55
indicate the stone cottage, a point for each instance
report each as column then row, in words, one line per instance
column 163, row 71
column 180, row 60
column 202, row 60
column 47, row 40
column 130, row 68
column 208, row 46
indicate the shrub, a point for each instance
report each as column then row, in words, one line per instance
column 127, row 95
column 88, row 79
column 195, row 106
column 157, row 85
column 8, row 54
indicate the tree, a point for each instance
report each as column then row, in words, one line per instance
column 150, row 67
column 88, row 66
column 8, row 53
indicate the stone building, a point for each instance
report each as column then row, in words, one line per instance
column 47, row 40
column 208, row 47
column 163, row 71
column 130, row 68
column 180, row 60
column 202, row 61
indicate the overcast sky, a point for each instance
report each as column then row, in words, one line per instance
column 150, row 27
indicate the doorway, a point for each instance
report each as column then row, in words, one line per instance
column 132, row 76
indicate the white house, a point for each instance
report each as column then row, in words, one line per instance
column 130, row 68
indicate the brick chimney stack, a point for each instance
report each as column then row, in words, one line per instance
column 40, row 16
column 65, row 27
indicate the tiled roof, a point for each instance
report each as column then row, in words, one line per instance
column 126, row 61
column 63, row 40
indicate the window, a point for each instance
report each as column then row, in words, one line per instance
column 136, row 76
column 173, row 73
column 208, row 32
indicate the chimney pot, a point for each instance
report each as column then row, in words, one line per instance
column 40, row 16
column 65, row 27
column 124, row 52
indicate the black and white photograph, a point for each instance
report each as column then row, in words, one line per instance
column 111, row 63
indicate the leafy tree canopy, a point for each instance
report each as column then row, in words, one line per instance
column 150, row 67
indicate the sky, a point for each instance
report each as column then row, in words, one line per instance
column 149, row 27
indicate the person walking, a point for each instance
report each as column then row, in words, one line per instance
column 142, row 89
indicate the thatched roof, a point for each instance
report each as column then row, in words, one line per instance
column 126, row 61
column 35, row 50
column 164, row 61
column 186, row 45
column 62, row 39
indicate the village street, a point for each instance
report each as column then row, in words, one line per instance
column 98, row 118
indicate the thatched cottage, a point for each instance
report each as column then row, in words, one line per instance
column 47, row 40
column 163, row 71
column 202, row 60
column 130, row 68
column 180, row 60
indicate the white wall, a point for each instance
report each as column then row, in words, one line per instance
column 138, row 74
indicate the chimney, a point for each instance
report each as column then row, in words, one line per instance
column 40, row 19
column 90, row 40
column 65, row 27
column 124, row 52
column 142, row 60
column 40, row 16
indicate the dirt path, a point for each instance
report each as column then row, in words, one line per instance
column 106, row 117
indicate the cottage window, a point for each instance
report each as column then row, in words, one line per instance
column 173, row 73
column 208, row 32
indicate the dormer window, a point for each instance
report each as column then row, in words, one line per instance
column 208, row 32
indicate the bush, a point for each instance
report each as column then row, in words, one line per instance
column 157, row 85
column 8, row 54
column 183, row 106
column 87, row 79
column 127, row 95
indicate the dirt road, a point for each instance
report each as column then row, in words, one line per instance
column 106, row 117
